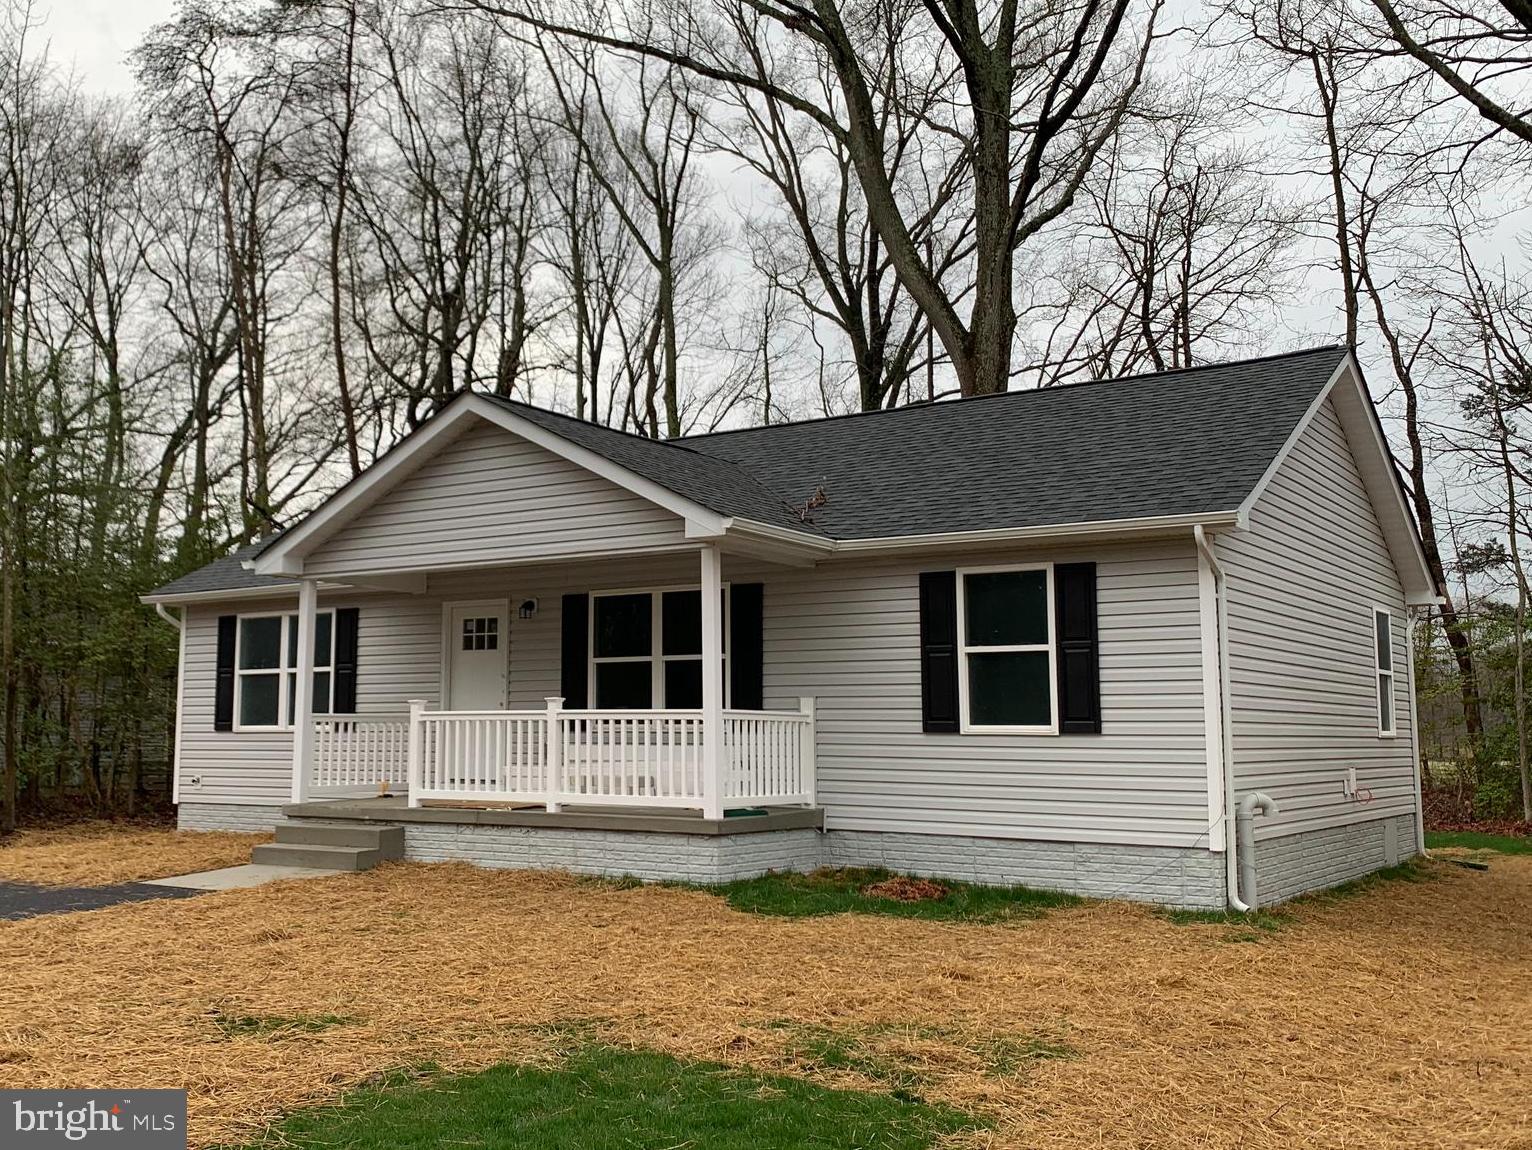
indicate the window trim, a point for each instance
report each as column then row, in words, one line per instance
column 965, row 727
column 1378, row 673
column 283, row 672
column 656, row 657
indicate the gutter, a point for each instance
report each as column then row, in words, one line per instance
column 159, row 609
column 1231, row 837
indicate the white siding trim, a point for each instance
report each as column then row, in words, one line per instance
column 175, row 778
column 1212, row 697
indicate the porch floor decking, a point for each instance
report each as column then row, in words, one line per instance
column 395, row 809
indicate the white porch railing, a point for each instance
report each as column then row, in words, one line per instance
column 359, row 754
column 555, row 757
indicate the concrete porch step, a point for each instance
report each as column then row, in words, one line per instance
column 388, row 841
column 316, row 857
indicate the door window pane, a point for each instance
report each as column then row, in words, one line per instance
column 682, row 615
column 624, row 626
column 1006, row 608
column 258, row 700
column 481, row 634
column 624, row 686
column 1009, row 689
column 683, row 683
column 260, row 643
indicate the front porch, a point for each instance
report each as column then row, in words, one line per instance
column 659, row 760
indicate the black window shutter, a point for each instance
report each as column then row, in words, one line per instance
column 1074, row 591
column 746, row 647
column 346, row 620
column 938, row 651
column 223, row 685
column 574, row 651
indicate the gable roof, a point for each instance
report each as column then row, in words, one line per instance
column 1177, row 446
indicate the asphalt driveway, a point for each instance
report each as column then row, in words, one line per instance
column 26, row 900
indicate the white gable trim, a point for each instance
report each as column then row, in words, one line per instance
column 1364, row 435
column 286, row 555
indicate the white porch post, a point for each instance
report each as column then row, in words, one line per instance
column 553, row 751
column 712, row 682
column 415, row 764
column 303, row 690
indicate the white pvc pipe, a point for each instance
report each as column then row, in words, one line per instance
column 1255, row 801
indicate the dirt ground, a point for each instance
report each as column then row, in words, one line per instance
column 1400, row 1017
column 101, row 853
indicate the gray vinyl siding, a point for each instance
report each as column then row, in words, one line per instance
column 492, row 497
column 234, row 766
column 847, row 633
column 1302, row 585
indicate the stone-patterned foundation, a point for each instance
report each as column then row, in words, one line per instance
column 640, row 854
column 1172, row 876
column 227, row 817
column 1312, row 860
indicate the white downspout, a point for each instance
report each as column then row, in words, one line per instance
column 1418, row 759
column 1231, row 841
column 175, row 750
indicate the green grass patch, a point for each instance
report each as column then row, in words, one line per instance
column 906, row 1058
column 606, row 1099
column 1249, row 926
column 1411, row 870
column 274, row 1025
column 840, row 891
column 1479, row 841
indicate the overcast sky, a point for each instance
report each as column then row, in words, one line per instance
column 91, row 37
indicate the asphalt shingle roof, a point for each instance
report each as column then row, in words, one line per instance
column 1186, row 442
column 1179, row 442
column 226, row 574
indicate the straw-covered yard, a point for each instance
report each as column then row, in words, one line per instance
column 101, row 853
column 1398, row 1016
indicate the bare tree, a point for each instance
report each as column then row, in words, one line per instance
column 1028, row 98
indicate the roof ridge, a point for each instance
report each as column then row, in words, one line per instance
column 1052, row 389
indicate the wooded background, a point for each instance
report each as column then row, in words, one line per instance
column 314, row 221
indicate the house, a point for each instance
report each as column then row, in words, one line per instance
column 1107, row 638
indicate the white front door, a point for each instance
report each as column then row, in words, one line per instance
column 477, row 640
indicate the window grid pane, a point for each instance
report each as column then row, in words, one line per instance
column 624, row 626
column 1006, row 608
column 259, row 700
column 1383, row 628
column 1010, row 689
column 260, row 643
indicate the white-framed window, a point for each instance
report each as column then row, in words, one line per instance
column 265, row 669
column 1007, row 652
column 646, row 649
column 1383, row 668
